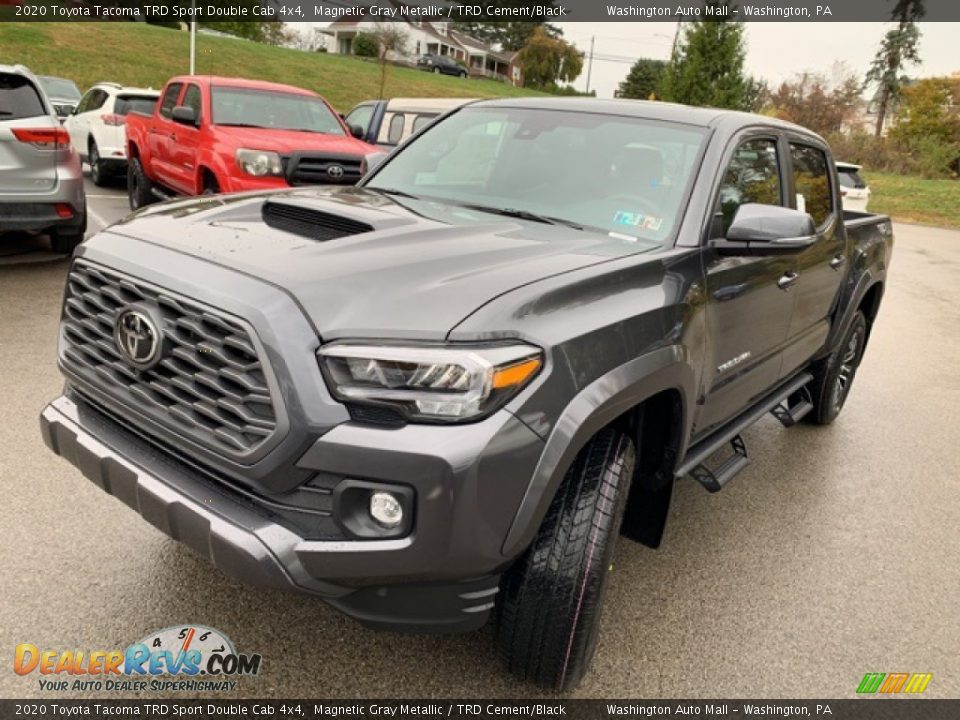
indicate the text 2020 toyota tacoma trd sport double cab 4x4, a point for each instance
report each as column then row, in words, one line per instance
column 442, row 394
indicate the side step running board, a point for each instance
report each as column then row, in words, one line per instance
column 694, row 464
column 160, row 194
column 792, row 414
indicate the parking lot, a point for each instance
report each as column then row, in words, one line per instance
column 834, row 554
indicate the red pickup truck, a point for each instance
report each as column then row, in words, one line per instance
column 215, row 134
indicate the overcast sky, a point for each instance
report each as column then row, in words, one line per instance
column 775, row 51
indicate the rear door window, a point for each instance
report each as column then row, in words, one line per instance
column 811, row 182
column 192, row 99
column 19, row 98
column 395, row 134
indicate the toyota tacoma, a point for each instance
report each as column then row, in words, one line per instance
column 443, row 394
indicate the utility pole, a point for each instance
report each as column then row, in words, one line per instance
column 590, row 63
column 193, row 37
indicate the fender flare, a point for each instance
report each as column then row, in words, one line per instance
column 863, row 285
column 597, row 405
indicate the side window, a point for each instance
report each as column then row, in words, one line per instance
column 169, row 99
column 421, row 121
column 191, row 98
column 811, row 182
column 751, row 177
column 97, row 99
column 84, row 104
column 360, row 116
column 396, row 129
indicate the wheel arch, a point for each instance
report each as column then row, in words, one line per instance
column 632, row 396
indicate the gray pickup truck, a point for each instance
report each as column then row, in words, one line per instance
column 441, row 395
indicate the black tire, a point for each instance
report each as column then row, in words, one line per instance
column 463, row 75
column 138, row 185
column 833, row 375
column 550, row 600
column 64, row 241
column 211, row 186
column 97, row 173
column 437, row 71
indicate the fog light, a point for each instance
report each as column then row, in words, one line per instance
column 386, row 509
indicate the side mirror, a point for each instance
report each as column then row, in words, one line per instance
column 357, row 131
column 185, row 115
column 767, row 230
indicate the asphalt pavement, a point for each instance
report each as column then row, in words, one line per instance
column 835, row 553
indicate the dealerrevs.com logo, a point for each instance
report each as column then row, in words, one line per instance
column 188, row 658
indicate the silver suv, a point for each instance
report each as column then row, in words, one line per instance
column 41, row 183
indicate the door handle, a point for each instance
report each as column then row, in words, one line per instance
column 837, row 262
column 787, row 280
column 172, row 136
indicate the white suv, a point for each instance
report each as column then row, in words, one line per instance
column 854, row 193
column 97, row 126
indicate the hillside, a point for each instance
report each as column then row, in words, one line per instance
column 146, row 56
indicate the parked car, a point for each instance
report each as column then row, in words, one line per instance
column 97, row 126
column 387, row 123
column 853, row 189
column 62, row 93
column 216, row 134
column 451, row 387
column 441, row 64
column 41, row 183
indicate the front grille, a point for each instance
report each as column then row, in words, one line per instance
column 209, row 386
column 307, row 222
column 314, row 169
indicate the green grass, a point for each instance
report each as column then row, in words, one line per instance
column 913, row 199
column 146, row 56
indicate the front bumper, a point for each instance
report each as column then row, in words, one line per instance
column 365, row 579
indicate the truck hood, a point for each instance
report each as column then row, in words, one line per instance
column 288, row 141
column 415, row 271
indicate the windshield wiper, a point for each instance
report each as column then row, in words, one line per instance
column 249, row 125
column 525, row 215
column 392, row 191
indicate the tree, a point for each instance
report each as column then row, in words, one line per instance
column 643, row 80
column 811, row 100
column 898, row 49
column 392, row 39
column 546, row 60
column 927, row 124
column 707, row 64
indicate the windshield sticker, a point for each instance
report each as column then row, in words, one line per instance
column 637, row 220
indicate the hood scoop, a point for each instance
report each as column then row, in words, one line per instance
column 310, row 222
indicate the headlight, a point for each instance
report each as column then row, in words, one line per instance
column 430, row 384
column 259, row 162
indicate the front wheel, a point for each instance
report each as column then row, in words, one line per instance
column 833, row 376
column 550, row 601
column 436, row 71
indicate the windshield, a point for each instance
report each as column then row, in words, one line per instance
column 619, row 175
column 274, row 110
column 59, row 88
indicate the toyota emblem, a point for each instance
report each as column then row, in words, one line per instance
column 137, row 337
column 335, row 172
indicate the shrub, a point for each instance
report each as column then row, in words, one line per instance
column 366, row 45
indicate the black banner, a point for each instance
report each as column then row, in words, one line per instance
column 857, row 709
column 465, row 10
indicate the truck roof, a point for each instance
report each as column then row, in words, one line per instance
column 221, row 81
column 651, row 110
